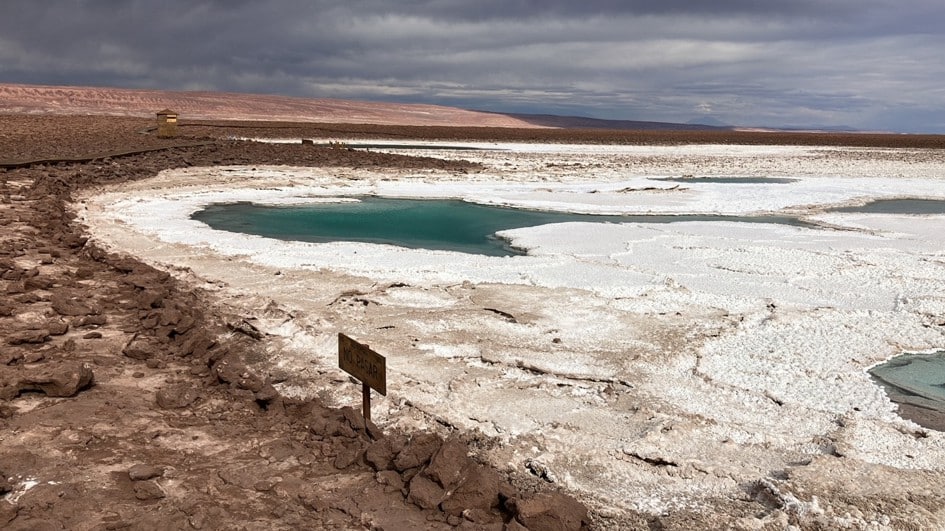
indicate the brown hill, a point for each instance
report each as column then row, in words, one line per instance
column 43, row 99
column 583, row 122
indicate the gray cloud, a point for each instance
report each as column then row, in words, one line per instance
column 872, row 64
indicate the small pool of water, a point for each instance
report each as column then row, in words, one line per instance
column 898, row 206
column 448, row 225
column 916, row 379
column 729, row 180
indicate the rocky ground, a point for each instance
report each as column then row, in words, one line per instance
column 126, row 404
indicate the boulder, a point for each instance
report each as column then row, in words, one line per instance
column 417, row 452
column 68, row 306
column 425, row 493
column 143, row 472
column 553, row 512
column 141, row 348
column 176, row 396
column 479, row 491
column 55, row 380
column 446, row 467
column 31, row 337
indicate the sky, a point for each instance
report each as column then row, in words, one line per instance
column 865, row 64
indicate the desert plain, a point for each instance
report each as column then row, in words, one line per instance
column 691, row 375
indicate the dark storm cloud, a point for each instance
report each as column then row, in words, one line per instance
column 741, row 61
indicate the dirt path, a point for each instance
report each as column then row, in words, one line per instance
column 125, row 404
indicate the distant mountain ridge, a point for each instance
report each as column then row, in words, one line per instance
column 45, row 99
column 581, row 122
column 49, row 99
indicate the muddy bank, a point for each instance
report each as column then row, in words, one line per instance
column 125, row 401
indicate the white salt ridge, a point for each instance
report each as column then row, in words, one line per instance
column 730, row 349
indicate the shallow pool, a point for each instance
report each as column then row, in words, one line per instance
column 898, row 206
column 449, row 225
column 917, row 379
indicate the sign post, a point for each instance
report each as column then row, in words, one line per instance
column 360, row 361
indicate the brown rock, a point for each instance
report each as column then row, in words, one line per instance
column 327, row 423
column 148, row 299
column 350, row 454
column 417, row 452
column 196, row 345
column 354, row 418
column 92, row 320
column 231, row 371
column 125, row 265
column 84, row 273
column 446, row 467
column 148, row 490
column 425, row 493
column 30, row 298
column 176, row 396
column 9, row 357
column 31, row 337
column 313, row 502
column 62, row 380
column 267, row 393
column 38, row 283
column 142, row 472
column 391, row 479
column 70, row 306
column 15, row 288
column 264, row 485
column 34, row 356
column 380, row 454
column 554, row 512
column 480, row 490
column 154, row 363
column 169, row 317
column 57, row 327
column 140, row 348
column 73, row 241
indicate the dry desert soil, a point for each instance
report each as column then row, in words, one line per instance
column 126, row 401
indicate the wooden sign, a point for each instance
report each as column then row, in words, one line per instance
column 363, row 363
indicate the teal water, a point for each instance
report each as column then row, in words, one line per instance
column 917, row 379
column 448, row 225
column 898, row 206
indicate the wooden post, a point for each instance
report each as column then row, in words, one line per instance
column 368, row 366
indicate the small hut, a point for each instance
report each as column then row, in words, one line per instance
column 167, row 123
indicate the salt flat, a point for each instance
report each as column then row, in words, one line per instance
column 645, row 367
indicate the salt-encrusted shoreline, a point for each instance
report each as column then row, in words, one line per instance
column 644, row 367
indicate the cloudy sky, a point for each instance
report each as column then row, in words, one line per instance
column 868, row 64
